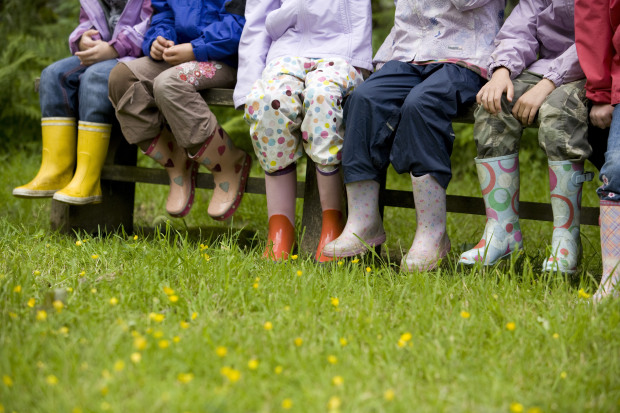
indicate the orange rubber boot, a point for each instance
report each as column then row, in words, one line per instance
column 330, row 230
column 280, row 239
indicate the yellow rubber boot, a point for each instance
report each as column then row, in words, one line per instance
column 92, row 147
column 57, row 161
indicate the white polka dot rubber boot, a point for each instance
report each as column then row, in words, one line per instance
column 230, row 167
column 499, row 181
column 181, row 170
column 364, row 227
column 431, row 242
column 566, row 179
column 610, row 250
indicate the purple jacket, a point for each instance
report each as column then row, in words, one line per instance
column 302, row 28
column 128, row 34
column 539, row 35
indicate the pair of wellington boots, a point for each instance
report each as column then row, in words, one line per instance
column 281, row 193
column 229, row 165
column 499, row 181
column 63, row 148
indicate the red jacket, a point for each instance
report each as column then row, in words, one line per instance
column 598, row 47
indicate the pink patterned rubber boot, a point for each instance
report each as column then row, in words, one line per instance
column 281, row 189
column 610, row 250
column 230, row 167
column 364, row 227
column 431, row 242
column 331, row 191
column 566, row 179
column 499, row 181
column 181, row 171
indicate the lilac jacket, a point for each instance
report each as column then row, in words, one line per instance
column 539, row 35
column 301, row 28
column 128, row 34
column 460, row 30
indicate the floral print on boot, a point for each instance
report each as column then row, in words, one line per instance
column 499, row 181
column 431, row 242
column 230, row 167
column 566, row 179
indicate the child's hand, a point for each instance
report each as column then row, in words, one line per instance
column 490, row 95
column 527, row 105
column 159, row 46
column 601, row 115
column 98, row 53
column 178, row 54
column 87, row 40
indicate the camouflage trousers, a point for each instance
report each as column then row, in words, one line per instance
column 562, row 122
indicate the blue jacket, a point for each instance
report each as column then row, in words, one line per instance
column 213, row 27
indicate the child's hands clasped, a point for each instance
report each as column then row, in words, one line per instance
column 94, row 50
column 163, row 49
column 528, row 104
column 490, row 95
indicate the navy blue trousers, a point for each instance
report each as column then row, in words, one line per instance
column 403, row 114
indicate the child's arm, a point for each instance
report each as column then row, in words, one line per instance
column 128, row 39
column 253, row 47
column 76, row 36
column 220, row 39
column 162, row 25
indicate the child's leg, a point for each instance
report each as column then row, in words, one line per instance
column 563, row 119
column 195, row 128
column 422, row 146
column 96, row 115
column 323, row 132
column 497, row 140
column 58, row 93
column 273, row 110
column 609, row 194
column 372, row 113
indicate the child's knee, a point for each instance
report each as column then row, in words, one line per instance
column 121, row 80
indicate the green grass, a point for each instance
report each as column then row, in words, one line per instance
column 562, row 356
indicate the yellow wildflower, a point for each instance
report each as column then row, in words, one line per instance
column 194, row 315
column 36, row 272
column 511, row 326
column 368, row 269
column 221, row 351
column 185, row 377
column 268, row 325
column 58, row 305
column 78, row 243
column 231, row 374
column 465, row 314
column 334, row 403
column 32, row 302
column 563, row 375
column 556, row 335
column 332, row 359
column 94, row 256
column 516, row 407
column 136, row 357
column 17, row 289
column 51, row 380
column 168, row 291
column 406, row 337
column 335, row 301
column 294, row 257
column 278, row 369
column 139, row 343
column 287, row 404
column 534, row 410
column 583, row 294
column 253, row 364
column 163, row 344
column 105, row 390
column 63, row 330
column 119, row 365
column 340, row 263
column 158, row 318
column 299, row 273
column 343, row 341
column 158, row 334
column 7, row 380
column 184, row 324
column 82, row 274
column 93, row 290
column 41, row 315
column 113, row 301
column 176, row 339
column 69, row 289
column 299, row 341
column 337, row 381
column 173, row 298
column 355, row 261
column 135, row 237
column 388, row 395
column 255, row 285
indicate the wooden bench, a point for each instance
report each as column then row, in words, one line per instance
column 120, row 174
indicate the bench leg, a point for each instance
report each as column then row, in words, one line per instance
column 115, row 211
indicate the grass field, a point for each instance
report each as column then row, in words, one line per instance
column 184, row 316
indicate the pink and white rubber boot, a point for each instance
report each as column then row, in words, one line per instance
column 230, row 167
column 566, row 180
column 181, row 170
column 364, row 227
column 499, row 181
column 331, row 191
column 431, row 242
column 610, row 250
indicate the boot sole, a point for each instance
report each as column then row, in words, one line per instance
column 190, row 201
column 33, row 193
column 245, row 172
column 374, row 242
column 73, row 200
column 465, row 261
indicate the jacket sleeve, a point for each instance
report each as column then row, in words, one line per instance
column 593, row 37
column 162, row 24
column 516, row 45
column 76, row 35
column 220, row 39
column 253, row 47
column 464, row 5
column 128, row 40
column 565, row 68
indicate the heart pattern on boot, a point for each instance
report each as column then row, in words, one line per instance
column 224, row 186
column 169, row 164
